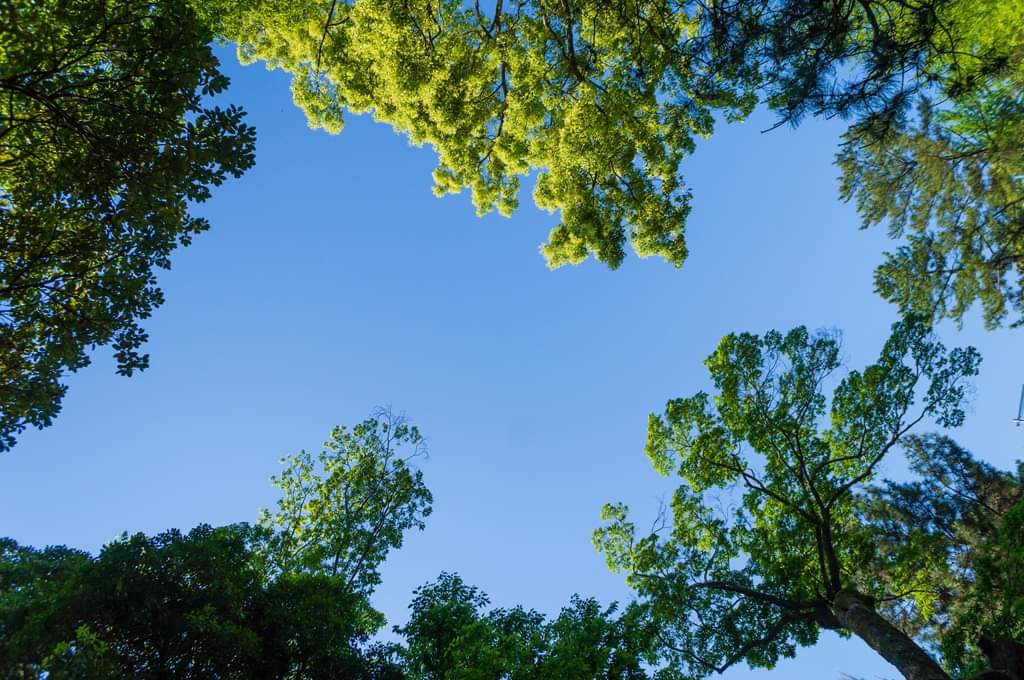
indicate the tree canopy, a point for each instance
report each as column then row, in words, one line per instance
column 780, row 528
column 605, row 101
column 289, row 597
column 107, row 133
column 764, row 544
column 450, row 636
column 286, row 598
column 195, row 605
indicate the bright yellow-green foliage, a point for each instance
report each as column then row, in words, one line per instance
column 603, row 101
column 596, row 99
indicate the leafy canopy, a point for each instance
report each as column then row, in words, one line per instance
column 195, row 605
column 450, row 636
column 592, row 96
column 106, row 136
column 763, row 542
column 342, row 512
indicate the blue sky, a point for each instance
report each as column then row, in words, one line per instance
column 333, row 281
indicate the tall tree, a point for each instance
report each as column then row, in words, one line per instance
column 106, row 135
column 765, row 541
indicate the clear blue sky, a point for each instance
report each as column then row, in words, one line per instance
column 333, row 281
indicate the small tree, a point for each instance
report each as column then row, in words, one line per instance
column 342, row 512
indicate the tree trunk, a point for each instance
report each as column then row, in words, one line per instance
column 857, row 614
column 1005, row 658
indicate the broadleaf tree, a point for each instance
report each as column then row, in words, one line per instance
column 451, row 635
column 107, row 134
column 764, row 542
column 341, row 512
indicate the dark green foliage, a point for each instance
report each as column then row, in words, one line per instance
column 34, row 585
column 857, row 58
column 106, row 135
column 199, row 605
column 450, row 636
column 948, row 559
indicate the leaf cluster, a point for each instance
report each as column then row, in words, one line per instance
column 106, row 135
column 195, row 605
column 451, row 636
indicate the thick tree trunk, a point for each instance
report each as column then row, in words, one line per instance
column 857, row 614
column 1005, row 657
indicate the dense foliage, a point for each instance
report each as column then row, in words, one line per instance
column 951, row 544
column 196, row 605
column 918, row 569
column 590, row 95
column 604, row 101
column 247, row 602
column 106, row 136
column 450, row 636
